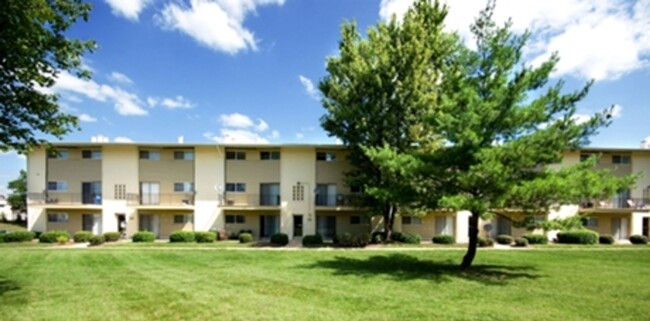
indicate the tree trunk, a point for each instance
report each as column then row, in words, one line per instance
column 473, row 242
column 389, row 219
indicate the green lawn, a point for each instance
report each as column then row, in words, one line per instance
column 166, row 283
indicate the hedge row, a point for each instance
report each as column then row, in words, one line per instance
column 577, row 237
column 408, row 238
column 17, row 236
column 352, row 240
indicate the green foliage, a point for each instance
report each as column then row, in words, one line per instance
column 82, row 236
column 577, row 237
column 62, row 239
column 639, row 239
column 35, row 49
column 377, row 237
column 485, row 242
column 112, row 236
column 408, row 238
column 182, row 237
column 352, row 240
column 143, row 237
column 280, row 239
column 205, row 237
column 536, row 238
column 53, row 236
column 97, row 240
column 18, row 236
column 312, row 240
column 606, row 239
column 569, row 223
column 444, row 239
column 521, row 242
column 504, row 239
column 18, row 197
column 245, row 237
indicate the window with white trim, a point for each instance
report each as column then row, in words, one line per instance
column 411, row 220
column 183, row 218
column 235, row 155
column 621, row 159
column 590, row 222
column 59, row 154
column 235, row 219
column 183, row 155
column 91, row 154
column 325, row 156
column 269, row 155
column 235, row 187
column 183, row 187
column 57, row 186
column 359, row 220
column 57, row 217
column 150, row 155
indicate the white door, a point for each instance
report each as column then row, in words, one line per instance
column 97, row 224
column 444, row 225
column 150, row 193
column 331, row 195
column 619, row 228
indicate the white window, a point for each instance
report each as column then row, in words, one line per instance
column 411, row 220
column 274, row 155
column 151, row 155
column 91, row 154
column 590, row 222
column 621, row 159
column 235, row 187
column 238, row 155
column 183, row 187
column 183, row 155
column 59, row 154
column 235, row 219
column 325, row 156
column 359, row 219
column 58, row 186
column 182, row 218
column 57, row 217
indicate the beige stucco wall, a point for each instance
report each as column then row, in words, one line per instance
column 119, row 167
column 36, row 183
column 343, row 222
column 167, row 170
column 640, row 163
column 74, row 170
column 74, row 223
column 333, row 172
column 209, row 162
column 166, row 223
column 253, row 171
column 297, row 165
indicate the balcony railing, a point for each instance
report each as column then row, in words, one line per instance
column 65, row 198
column 336, row 200
column 631, row 203
column 243, row 199
column 157, row 199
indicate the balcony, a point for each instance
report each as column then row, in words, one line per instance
column 65, row 198
column 243, row 199
column 630, row 203
column 169, row 199
column 336, row 200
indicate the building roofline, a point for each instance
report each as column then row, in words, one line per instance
column 189, row 145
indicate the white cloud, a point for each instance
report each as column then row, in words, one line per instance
column 179, row 102
column 129, row 9
column 73, row 98
column 152, row 101
column 645, row 143
column 596, row 39
column 236, row 120
column 87, row 118
column 216, row 24
column 300, row 135
column 261, row 125
column 120, row 78
column 236, row 136
column 616, row 111
column 99, row 139
column 124, row 102
column 309, row 87
column 274, row 135
column 239, row 128
column 12, row 153
column 121, row 139
column 581, row 118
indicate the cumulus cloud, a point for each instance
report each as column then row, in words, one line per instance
column 124, row 102
column 129, row 9
column 178, row 102
column 274, row 135
column 240, row 128
column 216, row 24
column 237, row 120
column 581, row 118
column 121, row 139
column 236, row 136
column 300, row 135
column 595, row 39
column 120, row 78
column 105, row 139
column 87, row 118
column 309, row 87
column 616, row 111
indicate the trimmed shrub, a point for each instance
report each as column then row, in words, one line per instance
column 521, row 242
column 245, row 231
column 444, row 239
column 378, row 237
column 17, row 236
column 112, row 236
column 205, row 237
column 352, row 240
column 280, row 239
column 82, row 236
column 143, row 237
column 639, row 239
column 52, row 236
column 96, row 240
column 408, row 238
column 504, row 239
column 62, row 239
column 182, row 237
column 312, row 240
column 606, row 239
column 485, row 242
column 578, row 237
column 245, row 237
column 536, row 238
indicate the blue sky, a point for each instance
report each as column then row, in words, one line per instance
column 246, row 70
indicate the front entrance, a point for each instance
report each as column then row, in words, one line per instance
column 619, row 228
column 326, row 226
column 92, row 223
column 121, row 223
column 269, row 225
column 297, row 226
column 151, row 223
column 646, row 226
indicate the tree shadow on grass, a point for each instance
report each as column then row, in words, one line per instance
column 406, row 267
column 8, row 285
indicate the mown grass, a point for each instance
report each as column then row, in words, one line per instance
column 131, row 283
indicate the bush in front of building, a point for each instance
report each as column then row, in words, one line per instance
column 53, row 236
column 82, row 236
column 606, row 239
column 521, row 242
column 443, row 239
column 378, row 237
column 182, row 237
column 112, row 236
column 504, row 239
column 17, row 236
column 536, row 238
column 245, row 237
column 577, row 237
column 408, row 238
column 352, row 240
column 312, row 240
column 485, row 242
column 280, row 239
column 205, row 237
column 143, row 236
column 639, row 239
column 96, row 240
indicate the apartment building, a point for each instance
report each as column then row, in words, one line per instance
column 294, row 189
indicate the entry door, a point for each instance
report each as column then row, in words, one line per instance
column 269, row 225
column 150, row 223
column 326, row 226
column 92, row 223
column 444, row 225
column 646, row 226
column 297, row 226
column 149, row 193
column 91, row 193
column 619, row 228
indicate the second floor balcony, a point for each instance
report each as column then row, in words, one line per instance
column 617, row 203
column 65, row 198
column 161, row 199
column 244, row 199
column 336, row 200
